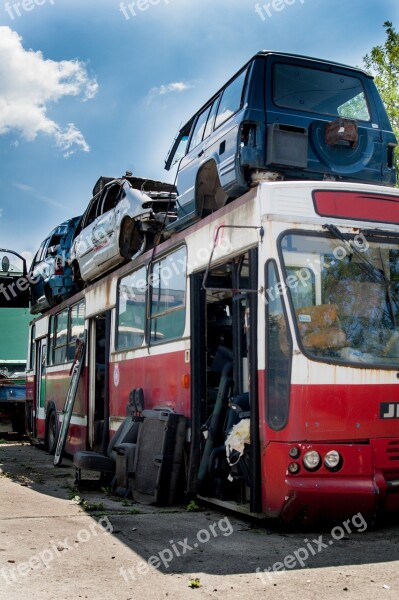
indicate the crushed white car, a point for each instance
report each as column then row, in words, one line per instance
column 121, row 221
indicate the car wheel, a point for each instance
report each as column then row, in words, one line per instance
column 77, row 277
column 52, row 432
column 51, row 301
column 131, row 241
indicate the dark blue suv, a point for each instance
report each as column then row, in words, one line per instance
column 50, row 274
column 285, row 117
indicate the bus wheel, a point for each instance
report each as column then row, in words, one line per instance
column 131, row 241
column 52, row 432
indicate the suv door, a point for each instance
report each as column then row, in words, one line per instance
column 190, row 163
column 223, row 144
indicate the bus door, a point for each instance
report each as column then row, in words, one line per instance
column 224, row 382
column 39, row 416
column 98, row 411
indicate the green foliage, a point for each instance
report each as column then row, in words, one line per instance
column 87, row 506
column 383, row 63
column 192, row 506
column 194, row 583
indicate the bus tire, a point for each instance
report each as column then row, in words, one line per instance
column 51, row 431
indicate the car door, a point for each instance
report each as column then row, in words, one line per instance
column 84, row 245
column 190, row 164
column 223, row 145
column 37, row 274
column 106, row 243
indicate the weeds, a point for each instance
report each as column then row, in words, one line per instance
column 192, row 506
column 87, row 506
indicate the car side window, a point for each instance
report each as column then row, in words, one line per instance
column 211, row 118
column 179, row 147
column 199, row 128
column 111, row 199
column 231, row 99
column 38, row 255
column 92, row 213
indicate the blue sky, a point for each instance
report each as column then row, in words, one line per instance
column 98, row 87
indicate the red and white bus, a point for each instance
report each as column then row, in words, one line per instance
column 279, row 311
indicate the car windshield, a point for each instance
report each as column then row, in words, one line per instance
column 345, row 296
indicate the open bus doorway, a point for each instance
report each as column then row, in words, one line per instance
column 224, row 384
column 98, row 414
column 40, row 359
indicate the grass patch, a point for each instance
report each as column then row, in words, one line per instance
column 192, row 507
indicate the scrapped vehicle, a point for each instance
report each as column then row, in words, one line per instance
column 122, row 219
column 281, row 117
column 50, row 274
column 12, row 406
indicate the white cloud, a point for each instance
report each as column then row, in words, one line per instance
column 29, row 83
column 178, row 86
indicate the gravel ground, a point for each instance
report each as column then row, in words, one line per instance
column 59, row 543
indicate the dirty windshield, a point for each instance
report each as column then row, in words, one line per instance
column 345, row 295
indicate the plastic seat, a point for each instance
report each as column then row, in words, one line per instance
column 105, row 464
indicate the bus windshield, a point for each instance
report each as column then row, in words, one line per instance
column 345, row 296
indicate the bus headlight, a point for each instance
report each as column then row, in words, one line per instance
column 311, row 460
column 332, row 459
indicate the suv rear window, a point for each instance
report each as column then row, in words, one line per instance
column 322, row 92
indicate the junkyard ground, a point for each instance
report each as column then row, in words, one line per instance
column 59, row 543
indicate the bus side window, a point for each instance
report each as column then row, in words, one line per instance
column 76, row 327
column 168, row 297
column 50, row 351
column 131, row 310
column 278, row 354
column 61, row 337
